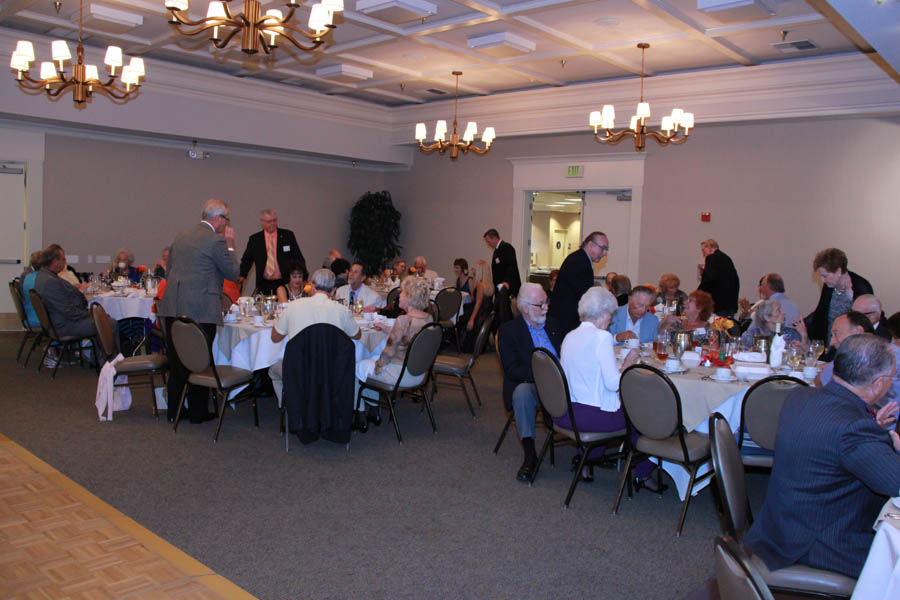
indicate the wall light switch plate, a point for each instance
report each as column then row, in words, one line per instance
column 705, row 217
column 102, row 260
column 72, row 259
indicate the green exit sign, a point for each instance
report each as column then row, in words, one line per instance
column 575, row 171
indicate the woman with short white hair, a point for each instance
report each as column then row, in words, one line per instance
column 589, row 361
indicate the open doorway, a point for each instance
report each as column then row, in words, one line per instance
column 555, row 231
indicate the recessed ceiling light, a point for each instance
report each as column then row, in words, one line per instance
column 397, row 11
column 344, row 72
column 607, row 21
column 501, row 44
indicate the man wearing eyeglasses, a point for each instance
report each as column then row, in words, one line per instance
column 870, row 305
column 517, row 339
column 200, row 260
column 576, row 276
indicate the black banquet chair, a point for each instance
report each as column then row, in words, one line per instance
column 419, row 359
column 319, row 376
column 759, row 417
column 448, row 301
column 460, row 367
column 67, row 343
column 737, row 518
column 653, row 408
column 195, row 354
column 29, row 332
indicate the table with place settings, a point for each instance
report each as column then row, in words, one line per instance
column 880, row 576
column 133, row 303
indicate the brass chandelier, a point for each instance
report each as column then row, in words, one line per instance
column 257, row 30
column 455, row 146
column 679, row 122
column 85, row 79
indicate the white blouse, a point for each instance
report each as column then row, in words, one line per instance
column 589, row 361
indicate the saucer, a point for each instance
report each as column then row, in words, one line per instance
column 678, row 371
column 896, row 502
column 728, row 379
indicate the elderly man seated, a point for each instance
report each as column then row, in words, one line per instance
column 356, row 291
column 870, row 305
column 633, row 321
column 516, row 340
column 834, row 466
column 66, row 305
column 303, row 312
column 422, row 270
column 771, row 287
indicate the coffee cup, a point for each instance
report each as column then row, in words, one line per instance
column 368, row 316
column 810, row 372
column 722, row 373
column 673, row 364
column 230, row 318
column 257, row 320
column 632, row 343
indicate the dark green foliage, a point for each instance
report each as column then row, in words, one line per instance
column 374, row 231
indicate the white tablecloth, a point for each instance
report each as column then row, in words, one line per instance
column 880, row 577
column 136, row 305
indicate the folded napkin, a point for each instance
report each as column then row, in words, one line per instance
column 744, row 370
column 690, row 355
column 751, row 357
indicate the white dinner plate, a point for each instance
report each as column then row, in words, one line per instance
column 730, row 379
column 680, row 371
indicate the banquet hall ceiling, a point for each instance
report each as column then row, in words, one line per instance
column 538, row 43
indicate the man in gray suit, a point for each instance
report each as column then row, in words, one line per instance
column 200, row 259
column 834, row 466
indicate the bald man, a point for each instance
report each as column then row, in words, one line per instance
column 870, row 306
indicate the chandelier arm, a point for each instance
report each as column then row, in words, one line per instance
column 477, row 150
column 29, row 82
column 113, row 92
column 439, row 146
column 297, row 29
column 225, row 40
column 229, row 21
column 59, row 90
column 316, row 43
column 284, row 20
column 614, row 138
column 663, row 140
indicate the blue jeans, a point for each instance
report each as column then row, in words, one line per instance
column 524, row 404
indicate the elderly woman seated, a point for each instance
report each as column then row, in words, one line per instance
column 414, row 300
column 768, row 314
column 669, row 292
column 698, row 308
column 589, row 361
column 122, row 266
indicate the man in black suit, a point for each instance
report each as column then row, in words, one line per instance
column 576, row 276
column 834, row 466
column 517, row 339
column 269, row 251
column 720, row 279
column 504, row 271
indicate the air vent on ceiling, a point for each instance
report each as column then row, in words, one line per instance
column 397, row 11
column 436, row 91
column 795, row 46
column 729, row 11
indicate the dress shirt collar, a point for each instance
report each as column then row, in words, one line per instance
column 836, row 389
column 210, row 225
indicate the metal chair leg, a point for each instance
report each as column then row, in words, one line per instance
column 180, row 406
column 626, row 478
column 474, row 389
column 577, row 477
column 537, row 467
column 462, row 384
column 22, row 345
column 390, row 403
column 37, row 340
column 509, row 421
column 59, row 359
column 153, row 397
column 427, row 404
column 687, row 499
column 221, row 415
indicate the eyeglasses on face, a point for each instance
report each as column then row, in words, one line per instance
column 541, row 305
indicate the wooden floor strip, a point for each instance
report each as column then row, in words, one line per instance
column 58, row 540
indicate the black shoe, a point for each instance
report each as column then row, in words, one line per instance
column 589, row 477
column 203, row 418
column 526, row 471
column 359, row 424
column 374, row 419
column 650, row 485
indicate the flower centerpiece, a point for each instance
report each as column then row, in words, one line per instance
column 720, row 333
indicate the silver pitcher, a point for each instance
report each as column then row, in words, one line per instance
column 681, row 343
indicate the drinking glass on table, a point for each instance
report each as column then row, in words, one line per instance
column 661, row 346
column 816, row 348
column 794, row 357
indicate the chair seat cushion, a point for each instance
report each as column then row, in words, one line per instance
column 451, row 365
column 229, row 376
column 389, row 386
column 758, row 460
column 670, row 448
column 801, row 577
column 136, row 364
column 446, row 324
column 589, row 437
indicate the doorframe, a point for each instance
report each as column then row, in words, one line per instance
column 549, row 174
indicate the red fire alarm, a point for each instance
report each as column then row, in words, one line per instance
column 705, row 217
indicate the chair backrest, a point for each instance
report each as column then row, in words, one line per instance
column 16, row 292
column 730, row 483
column 423, row 350
column 551, row 383
column 41, row 310
column 761, row 406
column 191, row 345
column 651, row 402
column 736, row 576
column 481, row 340
column 448, row 301
column 392, row 296
column 105, row 336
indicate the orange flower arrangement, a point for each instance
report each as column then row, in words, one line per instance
column 722, row 324
column 307, row 288
column 412, row 270
column 141, row 268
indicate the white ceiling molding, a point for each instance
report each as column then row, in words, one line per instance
column 830, row 86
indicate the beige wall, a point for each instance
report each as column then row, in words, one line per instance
column 543, row 224
column 100, row 195
column 778, row 192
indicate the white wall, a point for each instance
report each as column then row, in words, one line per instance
column 543, row 223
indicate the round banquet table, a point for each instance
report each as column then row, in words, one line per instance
column 136, row 305
column 880, row 576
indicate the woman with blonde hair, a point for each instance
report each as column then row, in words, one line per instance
column 482, row 303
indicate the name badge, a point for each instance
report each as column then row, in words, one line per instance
column 497, row 260
column 285, row 248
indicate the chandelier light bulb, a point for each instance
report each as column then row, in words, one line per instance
column 319, row 18
column 488, row 136
column 26, row 50
column 440, row 131
column 595, row 119
column 457, row 143
column 421, row 132
column 48, row 72
column 59, row 50
column 216, row 10
column 469, row 133
column 137, row 66
column 113, row 59
column 667, row 124
column 91, row 74
column 177, row 4
column 643, row 110
column 18, row 62
column 634, row 123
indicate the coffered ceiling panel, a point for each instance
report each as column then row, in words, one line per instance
column 408, row 58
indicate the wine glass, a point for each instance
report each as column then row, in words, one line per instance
column 793, row 357
column 816, row 348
